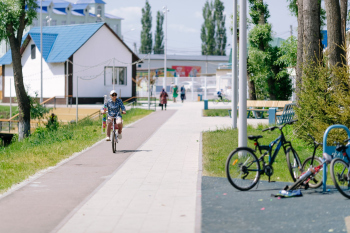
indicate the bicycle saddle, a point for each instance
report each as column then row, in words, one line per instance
column 252, row 137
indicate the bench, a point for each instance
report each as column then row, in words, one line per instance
column 287, row 114
column 258, row 107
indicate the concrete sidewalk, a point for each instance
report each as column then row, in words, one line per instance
column 156, row 189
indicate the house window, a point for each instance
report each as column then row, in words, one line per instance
column 53, row 22
column 72, row 22
column 99, row 11
column 120, row 76
column 35, row 23
column 116, row 28
column 64, row 22
column 33, row 50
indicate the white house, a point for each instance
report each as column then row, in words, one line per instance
column 90, row 52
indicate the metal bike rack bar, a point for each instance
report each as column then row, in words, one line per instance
column 330, row 149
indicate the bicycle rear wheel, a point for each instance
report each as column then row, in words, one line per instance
column 243, row 169
column 340, row 176
column 316, row 180
column 114, row 142
column 225, row 101
column 293, row 162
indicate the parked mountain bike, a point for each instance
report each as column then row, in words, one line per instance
column 312, row 167
column 114, row 134
column 340, row 169
column 216, row 100
column 243, row 167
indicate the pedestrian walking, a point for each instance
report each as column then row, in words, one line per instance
column 183, row 93
column 163, row 98
column 175, row 93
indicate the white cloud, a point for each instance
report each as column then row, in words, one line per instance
column 182, row 28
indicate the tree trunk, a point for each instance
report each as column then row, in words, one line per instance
column 343, row 16
column 336, row 53
column 251, row 87
column 311, row 31
column 21, row 95
column 299, row 68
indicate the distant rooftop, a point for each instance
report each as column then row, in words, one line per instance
column 90, row 1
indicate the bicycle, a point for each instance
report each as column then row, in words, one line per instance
column 243, row 167
column 218, row 99
column 340, row 169
column 114, row 134
column 311, row 177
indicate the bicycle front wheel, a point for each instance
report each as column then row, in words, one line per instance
column 293, row 163
column 243, row 169
column 316, row 180
column 225, row 101
column 340, row 176
column 114, row 142
column 216, row 101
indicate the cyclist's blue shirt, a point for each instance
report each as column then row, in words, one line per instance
column 113, row 108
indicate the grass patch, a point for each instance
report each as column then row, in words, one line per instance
column 5, row 111
column 218, row 144
column 45, row 148
column 215, row 112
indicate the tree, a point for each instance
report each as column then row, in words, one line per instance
column 159, row 35
column 343, row 18
column 220, row 31
column 146, row 34
column 208, row 29
column 334, row 32
column 288, row 52
column 15, row 15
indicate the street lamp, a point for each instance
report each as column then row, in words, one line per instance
column 165, row 11
column 48, row 19
column 41, row 51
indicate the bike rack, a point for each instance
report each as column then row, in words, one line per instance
column 330, row 149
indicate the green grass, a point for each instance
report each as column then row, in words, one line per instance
column 5, row 111
column 46, row 148
column 218, row 144
column 215, row 112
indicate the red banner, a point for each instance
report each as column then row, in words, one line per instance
column 187, row 71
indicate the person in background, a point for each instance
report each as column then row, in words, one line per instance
column 183, row 93
column 220, row 93
column 113, row 107
column 175, row 89
column 163, row 98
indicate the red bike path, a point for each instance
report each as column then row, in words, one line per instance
column 42, row 204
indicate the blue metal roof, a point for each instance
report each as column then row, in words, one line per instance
column 59, row 42
column 79, row 6
column 90, row 1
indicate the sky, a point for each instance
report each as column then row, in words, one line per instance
column 185, row 20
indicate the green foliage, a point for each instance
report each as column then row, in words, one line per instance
column 256, row 9
column 208, row 29
column 37, row 111
column 293, row 7
column 146, row 34
column 159, row 35
column 5, row 111
column 52, row 122
column 288, row 52
column 220, row 32
column 323, row 100
column 13, row 13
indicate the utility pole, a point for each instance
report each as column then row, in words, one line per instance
column 165, row 11
column 234, row 86
column 41, row 51
column 242, row 130
column 149, row 83
column 291, row 30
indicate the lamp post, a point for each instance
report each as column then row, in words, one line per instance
column 48, row 19
column 165, row 11
column 234, row 83
column 41, row 51
column 242, row 130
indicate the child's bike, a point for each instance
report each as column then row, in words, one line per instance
column 243, row 168
column 114, row 134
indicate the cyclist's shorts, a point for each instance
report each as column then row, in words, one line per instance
column 118, row 120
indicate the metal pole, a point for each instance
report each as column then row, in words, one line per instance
column 234, row 86
column 192, row 87
column 10, row 104
column 113, row 81
column 206, row 71
column 41, row 51
column 149, row 83
column 242, row 132
column 76, row 100
column 165, row 45
column 67, row 83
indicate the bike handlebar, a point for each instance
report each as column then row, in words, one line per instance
column 314, row 140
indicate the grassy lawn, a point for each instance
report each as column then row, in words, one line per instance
column 218, row 144
column 5, row 111
column 215, row 112
column 46, row 148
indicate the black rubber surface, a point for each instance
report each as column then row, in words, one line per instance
column 225, row 209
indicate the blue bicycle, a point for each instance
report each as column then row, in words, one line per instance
column 243, row 168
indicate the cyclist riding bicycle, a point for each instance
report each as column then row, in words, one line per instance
column 113, row 107
column 220, row 93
